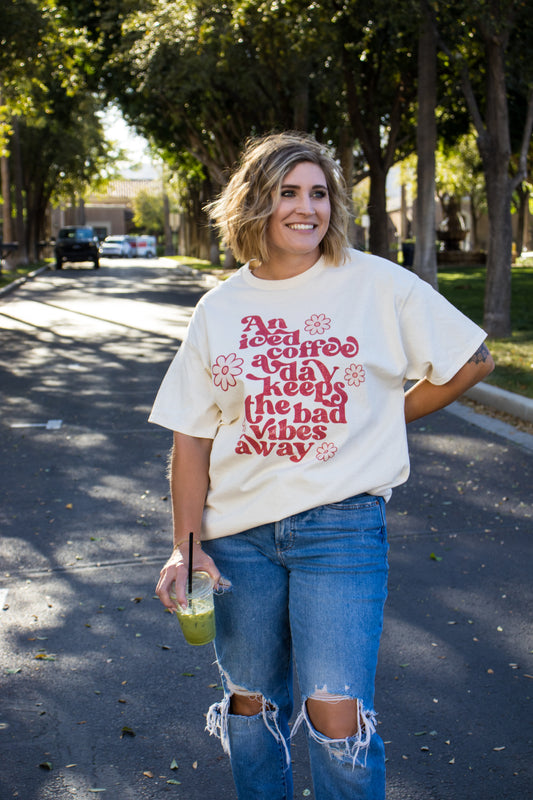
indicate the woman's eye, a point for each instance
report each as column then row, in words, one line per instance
column 320, row 193
column 287, row 193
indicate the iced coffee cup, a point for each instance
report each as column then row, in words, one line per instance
column 198, row 619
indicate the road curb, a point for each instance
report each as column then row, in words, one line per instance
column 514, row 404
column 15, row 284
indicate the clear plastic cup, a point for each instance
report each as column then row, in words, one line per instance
column 198, row 619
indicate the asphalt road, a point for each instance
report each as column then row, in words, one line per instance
column 100, row 695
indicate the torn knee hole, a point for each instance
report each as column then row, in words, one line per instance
column 349, row 745
column 335, row 716
column 248, row 704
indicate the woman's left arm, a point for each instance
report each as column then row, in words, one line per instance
column 425, row 397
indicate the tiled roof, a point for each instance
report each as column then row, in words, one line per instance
column 124, row 190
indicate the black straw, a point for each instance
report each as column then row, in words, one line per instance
column 191, row 537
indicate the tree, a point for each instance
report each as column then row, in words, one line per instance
column 148, row 212
column 425, row 262
column 53, row 136
column 487, row 39
column 379, row 73
column 199, row 78
column 22, row 27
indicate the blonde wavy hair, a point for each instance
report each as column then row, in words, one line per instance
column 243, row 209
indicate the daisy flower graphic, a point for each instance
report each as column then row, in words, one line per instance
column 225, row 369
column 317, row 323
column 354, row 375
column 326, row 451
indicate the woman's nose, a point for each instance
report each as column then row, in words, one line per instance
column 305, row 204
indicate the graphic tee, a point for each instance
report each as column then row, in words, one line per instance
column 300, row 384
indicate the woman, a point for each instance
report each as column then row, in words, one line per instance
column 288, row 406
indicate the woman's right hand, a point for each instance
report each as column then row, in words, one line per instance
column 176, row 571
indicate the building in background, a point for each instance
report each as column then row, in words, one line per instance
column 109, row 212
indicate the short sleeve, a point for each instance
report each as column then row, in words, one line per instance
column 185, row 400
column 437, row 338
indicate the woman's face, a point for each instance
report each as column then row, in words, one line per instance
column 300, row 220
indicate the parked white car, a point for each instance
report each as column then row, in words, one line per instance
column 120, row 246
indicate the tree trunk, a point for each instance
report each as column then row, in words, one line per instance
column 473, row 224
column 377, row 212
column 346, row 159
column 214, row 246
column 22, row 252
column 80, row 212
column 425, row 263
column 7, row 227
column 497, row 308
column 523, row 206
column 495, row 150
column 301, row 103
column 169, row 244
column 369, row 134
column 5, row 191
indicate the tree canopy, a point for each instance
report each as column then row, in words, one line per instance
column 197, row 78
column 52, row 141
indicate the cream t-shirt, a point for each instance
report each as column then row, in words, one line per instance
column 300, row 383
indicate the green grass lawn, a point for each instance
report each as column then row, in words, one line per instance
column 8, row 276
column 513, row 356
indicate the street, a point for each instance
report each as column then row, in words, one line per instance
column 100, row 695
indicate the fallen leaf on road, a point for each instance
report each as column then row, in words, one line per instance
column 195, row 764
column 174, row 782
column 174, row 764
column 126, row 731
column 46, row 765
column 148, row 774
column 433, row 557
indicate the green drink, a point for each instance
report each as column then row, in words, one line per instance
column 198, row 619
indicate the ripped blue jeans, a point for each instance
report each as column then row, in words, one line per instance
column 309, row 590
